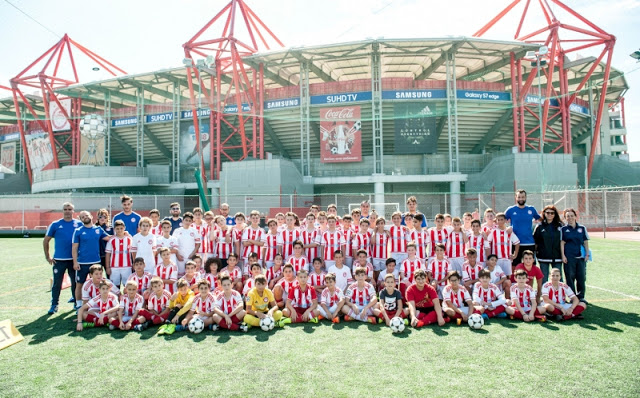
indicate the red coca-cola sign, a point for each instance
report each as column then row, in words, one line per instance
column 340, row 135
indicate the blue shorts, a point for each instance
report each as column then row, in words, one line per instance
column 81, row 275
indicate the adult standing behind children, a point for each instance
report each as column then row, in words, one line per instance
column 175, row 219
column 130, row 218
column 521, row 216
column 61, row 231
column 548, row 235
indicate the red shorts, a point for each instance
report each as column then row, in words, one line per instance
column 392, row 314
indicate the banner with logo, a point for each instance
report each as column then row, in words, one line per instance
column 415, row 128
column 8, row 157
column 59, row 121
column 188, row 148
column 39, row 149
column 340, row 135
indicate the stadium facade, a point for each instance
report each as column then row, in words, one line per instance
column 454, row 114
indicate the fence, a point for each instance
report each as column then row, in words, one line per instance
column 597, row 209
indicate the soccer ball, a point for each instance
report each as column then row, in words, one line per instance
column 476, row 321
column 93, row 127
column 196, row 325
column 397, row 325
column 267, row 323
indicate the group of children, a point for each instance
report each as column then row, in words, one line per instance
column 323, row 267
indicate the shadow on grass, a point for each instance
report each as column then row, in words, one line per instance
column 50, row 326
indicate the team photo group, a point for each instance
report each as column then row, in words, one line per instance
column 198, row 270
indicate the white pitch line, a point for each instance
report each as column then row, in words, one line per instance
column 614, row 292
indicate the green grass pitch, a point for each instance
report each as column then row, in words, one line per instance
column 596, row 357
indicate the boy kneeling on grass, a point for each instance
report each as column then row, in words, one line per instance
column 488, row 299
column 158, row 303
column 99, row 310
column 179, row 305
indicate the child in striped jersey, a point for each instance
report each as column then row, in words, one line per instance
column 317, row 276
column 235, row 273
column 99, row 310
column 301, row 301
column 331, row 300
column 270, row 244
column 211, row 267
column 128, row 314
column 202, row 306
column 274, row 274
column 167, row 271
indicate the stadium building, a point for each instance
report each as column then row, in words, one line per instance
column 454, row 114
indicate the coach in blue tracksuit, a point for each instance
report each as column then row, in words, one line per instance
column 130, row 218
column 61, row 231
column 86, row 250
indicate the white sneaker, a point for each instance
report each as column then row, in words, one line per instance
column 244, row 327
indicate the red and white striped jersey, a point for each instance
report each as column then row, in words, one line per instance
column 488, row 295
column 236, row 236
column 331, row 298
column 439, row 270
column 213, row 280
column 399, row 238
column 205, row 244
column 281, row 227
column 193, row 280
column 227, row 305
column 159, row 304
column 270, row 246
column 309, row 237
column 120, row 249
column 236, row 273
column 368, row 266
column 361, row 242
column 458, row 298
column 285, row 239
column 273, row 273
column 486, row 229
column 470, row 272
column 287, row 286
column 89, row 290
column 502, row 243
column 302, row 299
column 480, row 244
column 223, row 248
column 437, row 236
column 361, row 297
column 167, row 272
column 157, row 230
column 298, row 264
column 355, row 227
column 525, row 296
column 97, row 304
column 203, row 305
column 348, row 238
column 380, row 245
column 559, row 295
column 420, row 238
column 170, row 243
column 331, row 241
column 252, row 234
column 248, row 285
column 409, row 267
column 130, row 306
column 316, row 279
column 455, row 245
column 143, row 281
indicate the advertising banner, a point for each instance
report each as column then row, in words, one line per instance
column 39, row 149
column 189, row 149
column 340, row 135
column 8, row 158
column 59, row 121
column 415, row 128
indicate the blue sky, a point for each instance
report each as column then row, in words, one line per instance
column 141, row 36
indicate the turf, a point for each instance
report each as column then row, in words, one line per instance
column 591, row 358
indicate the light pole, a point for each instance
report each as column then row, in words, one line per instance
column 542, row 51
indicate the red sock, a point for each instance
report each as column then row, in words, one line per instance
column 499, row 309
column 157, row 319
column 457, row 316
column 429, row 318
column 576, row 311
column 225, row 325
column 477, row 312
column 135, row 322
column 115, row 323
column 518, row 315
column 556, row 311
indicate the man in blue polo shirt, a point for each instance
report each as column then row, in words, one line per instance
column 86, row 250
column 61, row 231
column 130, row 218
column 224, row 212
column 521, row 216
column 175, row 219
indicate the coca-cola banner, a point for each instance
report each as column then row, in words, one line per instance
column 340, row 135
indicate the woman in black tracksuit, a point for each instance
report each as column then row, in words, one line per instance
column 547, row 236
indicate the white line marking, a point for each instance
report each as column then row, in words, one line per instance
column 614, row 292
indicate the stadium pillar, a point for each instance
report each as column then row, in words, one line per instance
column 378, row 198
column 454, row 188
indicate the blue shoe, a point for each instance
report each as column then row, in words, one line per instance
column 72, row 300
column 180, row 328
column 53, row 309
column 485, row 317
column 502, row 315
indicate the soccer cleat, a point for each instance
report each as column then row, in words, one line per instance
column 111, row 327
column 372, row 319
column 88, row 325
column 459, row 321
column 485, row 317
column 170, row 329
column 348, row 318
column 314, row 320
column 162, row 329
column 180, row 328
column 145, row 325
column 420, row 324
column 380, row 320
column 53, row 310
column 336, row 320
column 558, row 318
column 542, row 318
column 406, row 322
column 502, row 315
column 244, row 327
column 283, row 322
column 320, row 317
column 138, row 328
column 71, row 300
column 213, row 327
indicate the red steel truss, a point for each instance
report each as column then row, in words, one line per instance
column 561, row 39
column 245, row 84
column 47, row 80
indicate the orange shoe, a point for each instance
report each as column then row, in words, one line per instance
column 372, row 319
column 336, row 320
column 348, row 318
column 320, row 317
column 420, row 324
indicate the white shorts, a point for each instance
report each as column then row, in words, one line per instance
column 399, row 257
column 361, row 307
column 462, row 308
column 379, row 264
column 181, row 268
column 126, row 318
column 119, row 276
column 324, row 314
column 505, row 265
column 456, row 264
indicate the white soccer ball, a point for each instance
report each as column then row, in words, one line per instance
column 196, row 325
column 267, row 323
column 93, row 126
column 476, row 321
column 397, row 324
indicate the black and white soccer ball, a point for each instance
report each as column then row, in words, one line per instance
column 475, row 321
column 196, row 325
column 397, row 325
column 93, row 127
column 267, row 323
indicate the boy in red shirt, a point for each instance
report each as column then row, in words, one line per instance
column 422, row 300
column 533, row 271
